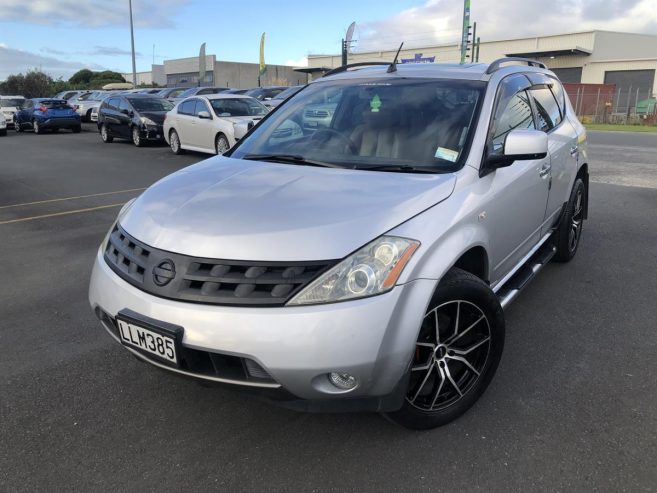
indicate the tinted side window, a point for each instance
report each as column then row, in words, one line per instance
column 209, row 90
column 187, row 107
column 123, row 105
column 547, row 110
column 113, row 103
column 28, row 104
column 517, row 113
column 557, row 90
column 200, row 106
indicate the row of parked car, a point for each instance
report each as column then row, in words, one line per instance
column 206, row 119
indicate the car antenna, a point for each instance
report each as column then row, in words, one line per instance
column 393, row 66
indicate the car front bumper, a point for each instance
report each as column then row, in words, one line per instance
column 372, row 339
column 152, row 132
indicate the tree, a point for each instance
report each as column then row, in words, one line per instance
column 13, row 85
column 37, row 85
column 81, row 77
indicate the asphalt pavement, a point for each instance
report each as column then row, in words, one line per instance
column 573, row 406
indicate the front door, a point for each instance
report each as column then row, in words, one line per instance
column 519, row 192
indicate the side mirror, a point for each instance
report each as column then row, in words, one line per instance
column 204, row 115
column 520, row 145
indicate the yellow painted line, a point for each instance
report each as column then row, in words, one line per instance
column 78, row 211
column 73, row 198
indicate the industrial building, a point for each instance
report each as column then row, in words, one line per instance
column 184, row 72
column 628, row 61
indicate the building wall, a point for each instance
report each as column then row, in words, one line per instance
column 145, row 78
column 609, row 51
column 245, row 75
column 158, row 75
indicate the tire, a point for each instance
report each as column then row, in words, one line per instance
column 174, row 143
column 36, row 127
column 88, row 116
column 17, row 126
column 136, row 137
column 3, row 132
column 221, row 144
column 77, row 130
column 104, row 135
column 450, row 372
column 569, row 231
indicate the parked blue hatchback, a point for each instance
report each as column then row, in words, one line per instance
column 40, row 114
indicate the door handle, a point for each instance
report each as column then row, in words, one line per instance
column 574, row 150
column 545, row 170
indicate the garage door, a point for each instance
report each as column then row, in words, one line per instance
column 569, row 75
column 631, row 80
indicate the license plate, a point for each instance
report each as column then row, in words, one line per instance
column 133, row 334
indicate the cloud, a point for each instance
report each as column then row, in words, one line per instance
column 439, row 21
column 15, row 61
column 53, row 51
column 301, row 62
column 96, row 51
column 111, row 51
column 91, row 13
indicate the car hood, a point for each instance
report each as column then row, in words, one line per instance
column 247, row 210
column 156, row 116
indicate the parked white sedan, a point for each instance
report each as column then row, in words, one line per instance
column 211, row 123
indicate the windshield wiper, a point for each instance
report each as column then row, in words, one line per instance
column 290, row 159
column 400, row 168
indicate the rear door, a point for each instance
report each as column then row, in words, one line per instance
column 110, row 115
column 184, row 119
column 562, row 143
column 124, row 119
column 518, row 192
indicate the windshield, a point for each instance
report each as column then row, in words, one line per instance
column 11, row 103
column 188, row 92
column 237, row 107
column 150, row 104
column 290, row 91
column 372, row 123
column 57, row 104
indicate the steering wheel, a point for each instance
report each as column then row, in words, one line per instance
column 328, row 132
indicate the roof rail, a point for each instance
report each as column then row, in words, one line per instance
column 496, row 64
column 344, row 68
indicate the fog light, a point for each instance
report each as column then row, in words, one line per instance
column 343, row 381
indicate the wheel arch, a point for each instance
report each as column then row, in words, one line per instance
column 474, row 261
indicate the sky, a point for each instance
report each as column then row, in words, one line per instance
column 63, row 36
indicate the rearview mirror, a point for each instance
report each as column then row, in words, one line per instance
column 205, row 115
column 521, row 145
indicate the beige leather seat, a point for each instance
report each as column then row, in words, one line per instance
column 378, row 136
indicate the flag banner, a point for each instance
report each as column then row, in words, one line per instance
column 263, row 67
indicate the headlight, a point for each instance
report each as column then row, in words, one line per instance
column 147, row 121
column 374, row 269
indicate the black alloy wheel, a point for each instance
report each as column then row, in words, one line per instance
column 456, row 354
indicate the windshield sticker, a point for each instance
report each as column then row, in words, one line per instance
column 375, row 103
column 446, row 154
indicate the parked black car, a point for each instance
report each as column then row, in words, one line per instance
column 136, row 117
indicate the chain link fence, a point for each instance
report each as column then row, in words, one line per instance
column 605, row 103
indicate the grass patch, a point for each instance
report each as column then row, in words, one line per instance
column 621, row 128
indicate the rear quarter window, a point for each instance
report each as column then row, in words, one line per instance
column 547, row 109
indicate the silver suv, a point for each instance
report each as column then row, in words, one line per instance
column 363, row 265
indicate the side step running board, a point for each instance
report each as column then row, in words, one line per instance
column 526, row 273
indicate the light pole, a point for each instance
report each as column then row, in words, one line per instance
column 132, row 41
